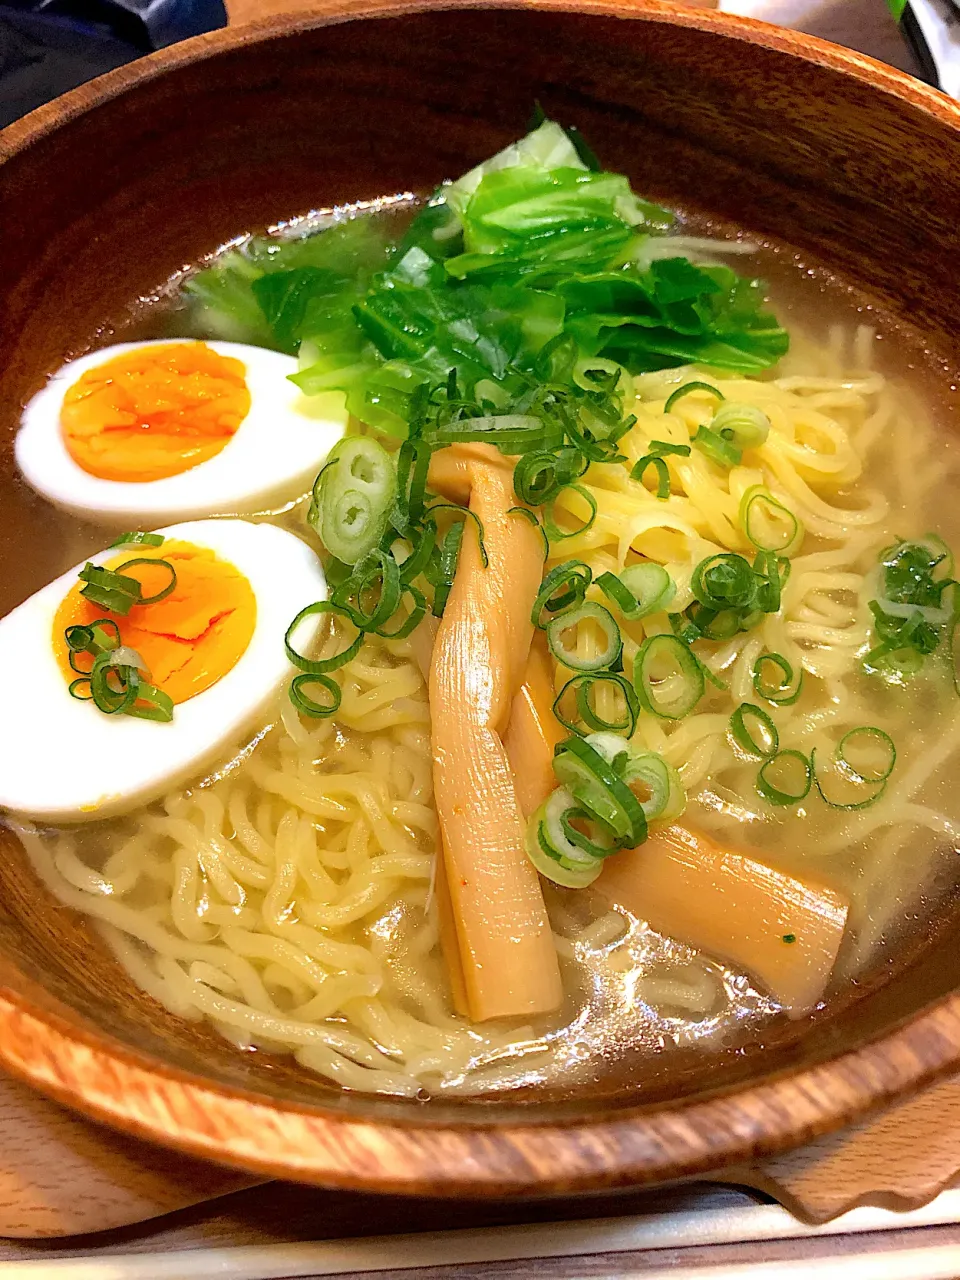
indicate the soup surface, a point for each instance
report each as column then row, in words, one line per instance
column 651, row 749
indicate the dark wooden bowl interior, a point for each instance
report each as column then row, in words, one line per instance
column 130, row 186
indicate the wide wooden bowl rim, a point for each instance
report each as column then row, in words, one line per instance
column 416, row 1154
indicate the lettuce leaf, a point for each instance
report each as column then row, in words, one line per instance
column 530, row 247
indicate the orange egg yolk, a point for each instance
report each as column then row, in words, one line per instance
column 190, row 639
column 154, row 412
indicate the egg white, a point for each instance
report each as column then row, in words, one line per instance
column 272, row 458
column 62, row 760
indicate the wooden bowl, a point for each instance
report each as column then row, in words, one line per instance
column 106, row 192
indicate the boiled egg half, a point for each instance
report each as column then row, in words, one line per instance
column 146, row 432
column 214, row 646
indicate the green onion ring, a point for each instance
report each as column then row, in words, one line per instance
column 564, row 585
column 724, row 581
column 138, row 540
column 557, row 627
column 581, row 686
column 309, row 706
column 686, row 680
column 874, row 734
column 717, row 449
column 464, row 514
column 783, row 694
column 751, row 513
column 152, row 704
column 554, row 532
column 160, row 595
column 776, row 795
column 640, row 589
column 530, row 516
column 596, row 787
column 320, row 666
column 110, row 699
column 375, row 565
column 746, row 739
column 413, row 619
column 849, row 806
column 109, row 589
column 535, row 477
column 549, row 850
column 742, row 425
column 687, row 388
column 663, row 474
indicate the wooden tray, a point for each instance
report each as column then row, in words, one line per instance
column 62, row 1175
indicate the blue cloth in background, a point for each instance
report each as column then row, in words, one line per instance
column 50, row 46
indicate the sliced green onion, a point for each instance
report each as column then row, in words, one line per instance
column 535, row 477
column 309, row 706
column 109, row 590
column 596, row 787
column 413, row 619
column 742, row 425
column 663, row 475
column 785, row 779
column 113, row 683
column 934, row 617
column 717, row 449
column 779, row 689
column 665, row 799
column 413, row 464
column 564, row 585
column 443, row 567
column 160, row 595
column 522, row 430
column 640, row 589
column 941, row 557
column 550, row 850
column 554, row 532
column 651, row 586
column 418, row 559
column 320, row 666
column 767, row 568
column 152, row 704
column 767, row 523
column 377, row 574
column 689, row 387
column 582, row 686
column 114, row 689
column 841, row 789
column 668, row 677
column 540, row 475
column 138, row 540
column 558, row 628
column 717, row 624
column 753, row 731
column 531, row 518
column 464, row 514
column 664, row 449
column 92, row 640
column 867, row 738
column 724, row 581
column 354, row 495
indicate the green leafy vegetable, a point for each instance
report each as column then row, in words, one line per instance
column 535, row 244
